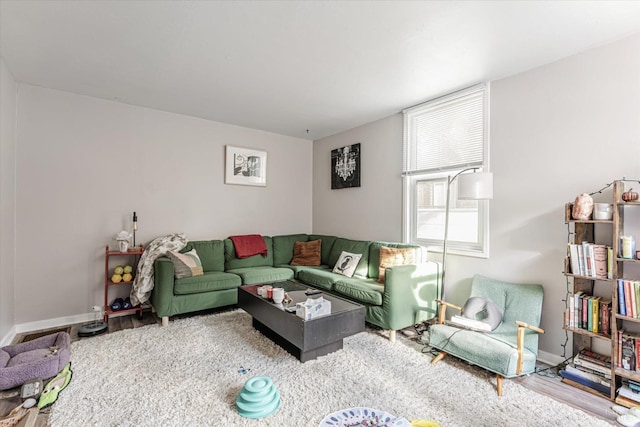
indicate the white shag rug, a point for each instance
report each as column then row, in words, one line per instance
column 190, row 373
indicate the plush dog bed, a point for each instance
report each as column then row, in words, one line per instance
column 42, row 358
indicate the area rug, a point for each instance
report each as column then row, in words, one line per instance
column 191, row 372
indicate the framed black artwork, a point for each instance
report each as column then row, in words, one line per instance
column 345, row 167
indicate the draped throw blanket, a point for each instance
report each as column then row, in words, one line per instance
column 143, row 282
column 249, row 245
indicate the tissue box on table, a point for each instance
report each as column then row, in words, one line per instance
column 312, row 308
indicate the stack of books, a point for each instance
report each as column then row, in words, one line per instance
column 590, row 370
column 591, row 260
column 589, row 312
column 629, row 394
column 629, row 297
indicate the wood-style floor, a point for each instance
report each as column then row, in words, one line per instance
column 546, row 383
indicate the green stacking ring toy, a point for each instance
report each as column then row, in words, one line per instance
column 258, row 398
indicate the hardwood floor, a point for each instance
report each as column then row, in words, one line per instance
column 546, row 382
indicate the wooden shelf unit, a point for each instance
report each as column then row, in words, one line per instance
column 109, row 254
column 585, row 231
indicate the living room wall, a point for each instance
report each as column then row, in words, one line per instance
column 85, row 164
column 8, row 89
column 556, row 131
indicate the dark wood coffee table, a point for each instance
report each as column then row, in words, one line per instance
column 308, row 339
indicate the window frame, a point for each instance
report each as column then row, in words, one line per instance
column 411, row 179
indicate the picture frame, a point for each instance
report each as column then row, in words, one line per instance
column 345, row 167
column 245, row 166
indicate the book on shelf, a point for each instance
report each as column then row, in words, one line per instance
column 628, row 360
column 627, row 392
column 589, row 313
column 585, row 382
column 592, row 356
column 623, row 401
column 628, row 297
column 591, row 260
column 595, row 377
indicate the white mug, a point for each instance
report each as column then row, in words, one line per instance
column 278, row 295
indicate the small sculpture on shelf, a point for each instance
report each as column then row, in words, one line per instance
column 582, row 207
column 123, row 239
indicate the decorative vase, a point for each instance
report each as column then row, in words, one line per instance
column 123, row 245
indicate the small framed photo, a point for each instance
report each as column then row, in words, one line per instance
column 244, row 166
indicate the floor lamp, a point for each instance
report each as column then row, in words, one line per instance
column 471, row 186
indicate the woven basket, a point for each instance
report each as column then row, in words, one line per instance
column 14, row 417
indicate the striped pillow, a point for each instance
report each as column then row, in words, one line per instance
column 187, row 264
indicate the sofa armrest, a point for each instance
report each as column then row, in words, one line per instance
column 410, row 293
column 163, row 279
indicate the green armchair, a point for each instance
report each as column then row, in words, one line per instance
column 511, row 349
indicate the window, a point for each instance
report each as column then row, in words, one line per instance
column 441, row 138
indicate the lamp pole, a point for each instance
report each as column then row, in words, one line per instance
column 450, row 180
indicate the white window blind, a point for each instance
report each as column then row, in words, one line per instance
column 446, row 133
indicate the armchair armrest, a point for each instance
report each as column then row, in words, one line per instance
column 521, row 328
column 443, row 309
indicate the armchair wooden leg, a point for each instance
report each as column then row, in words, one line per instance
column 392, row 336
column 438, row 358
column 165, row 320
column 499, row 384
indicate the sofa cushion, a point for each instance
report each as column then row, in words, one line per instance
column 307, row 253
column 298, row 268
column 283, row 247
column 256, row 275
column 211, row 253
column 347, row 263
column 211, row 281
column 232, row 262
column 364, row 291
column 374, row 255
column 327, row 245
column 390, row 257
column 186, row 264
column 354, row 247
column 320, row 277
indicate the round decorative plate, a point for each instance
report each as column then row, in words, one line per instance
column 363, row 417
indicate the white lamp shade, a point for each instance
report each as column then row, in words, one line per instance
column 475, row 186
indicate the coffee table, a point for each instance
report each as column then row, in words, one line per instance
column 304, row 339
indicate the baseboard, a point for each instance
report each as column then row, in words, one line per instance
column 6, row 340
column 54, row 323
column 550, row 358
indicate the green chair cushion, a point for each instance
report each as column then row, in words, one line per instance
column 319, row 277
column 283, row 247
column 210, row 252
column 354, row 247
column 232, row 262
column 327, row 245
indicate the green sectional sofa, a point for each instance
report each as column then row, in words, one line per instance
column 407, row 296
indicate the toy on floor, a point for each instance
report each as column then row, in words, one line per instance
column 258, row 398
column 628, row 417
column 54, row 387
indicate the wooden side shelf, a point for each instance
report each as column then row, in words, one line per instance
column 133, row 257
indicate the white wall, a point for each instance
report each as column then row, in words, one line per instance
column 374, row 210
column 8, row 90
column 556, row 131
column 85, row 164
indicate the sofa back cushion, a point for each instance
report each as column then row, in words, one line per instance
column 283, row 247
column 354, row 247
column 231, row 261
column 374, row 255
column 210, row 252
column 325, row 250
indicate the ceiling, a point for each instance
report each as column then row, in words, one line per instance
column 307, row 69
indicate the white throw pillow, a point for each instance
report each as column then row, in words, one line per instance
column 347, row 264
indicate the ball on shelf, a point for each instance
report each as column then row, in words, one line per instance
column 116, row 278
column 118, row 270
